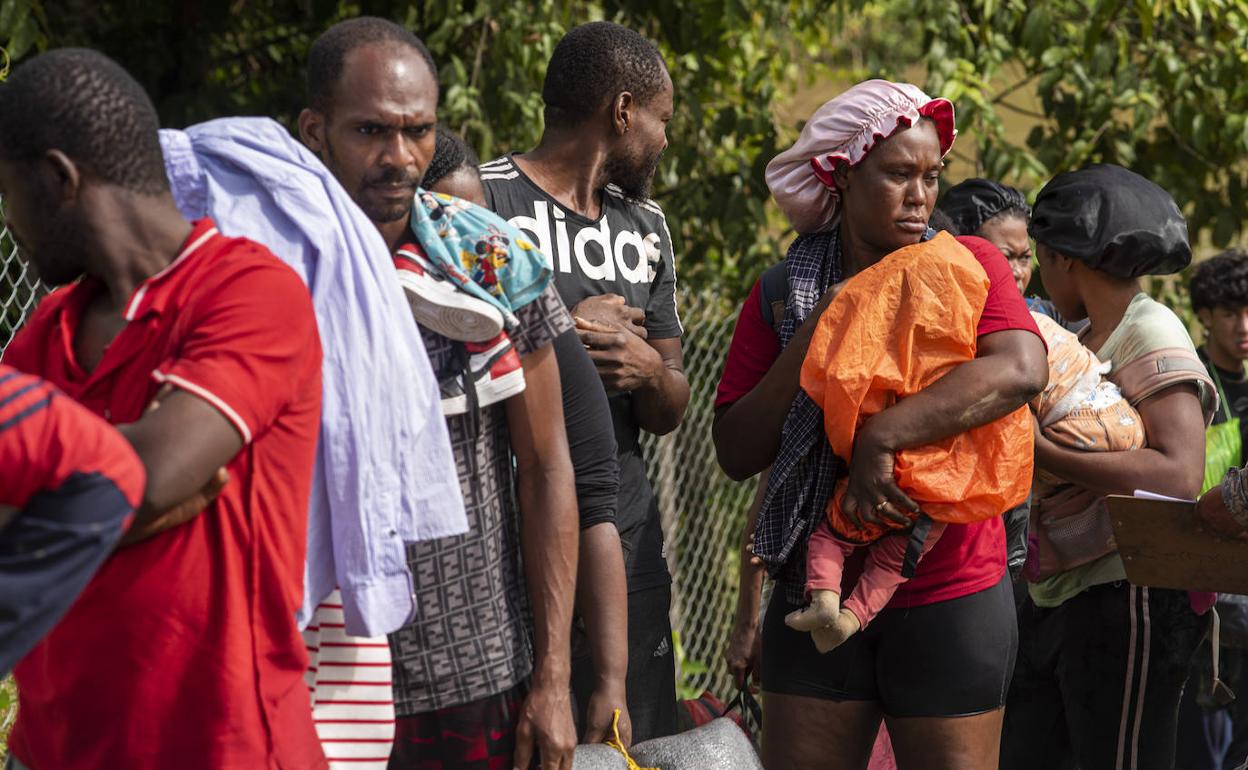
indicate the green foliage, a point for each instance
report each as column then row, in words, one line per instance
column 729, row 59
column 687, row 685
column 22, row 29
column 1160, row 86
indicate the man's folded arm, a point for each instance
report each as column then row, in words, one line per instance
column 182, row 444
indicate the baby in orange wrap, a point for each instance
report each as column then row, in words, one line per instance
column 894, row 329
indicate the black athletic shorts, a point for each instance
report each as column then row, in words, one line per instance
column 951, row 658
column 651, row 680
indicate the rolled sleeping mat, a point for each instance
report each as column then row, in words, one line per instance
column 598, row 756
column 716, row 745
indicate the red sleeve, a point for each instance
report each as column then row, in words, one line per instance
column 754, row 349
column 1004, row 308
column 46, row 437
column 252, row 345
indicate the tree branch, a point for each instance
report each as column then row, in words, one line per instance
column 966, row 16
column 1099, row 133
column 957, row 155
column 1022, row 111
column 1190, row 150
column 1001, row 96
column 476, row 65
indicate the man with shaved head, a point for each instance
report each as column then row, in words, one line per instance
column 182, row 651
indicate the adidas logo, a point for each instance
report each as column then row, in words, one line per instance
column 664, row 648
column 598, row 254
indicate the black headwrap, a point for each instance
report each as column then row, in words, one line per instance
column 1113, row 219
column 975, row 201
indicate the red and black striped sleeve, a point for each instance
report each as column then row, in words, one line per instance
column 46, row 439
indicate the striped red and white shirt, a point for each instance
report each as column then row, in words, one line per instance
column 350, row 685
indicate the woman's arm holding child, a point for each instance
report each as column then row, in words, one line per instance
column 1172, row 463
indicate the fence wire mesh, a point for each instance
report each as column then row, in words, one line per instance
column 703, row 511
column 18, row 288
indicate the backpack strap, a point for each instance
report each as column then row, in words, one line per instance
column 1161, row 369
column 1224, row 405
column 773, row 291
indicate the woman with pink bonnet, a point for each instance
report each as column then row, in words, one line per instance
column 861, row 182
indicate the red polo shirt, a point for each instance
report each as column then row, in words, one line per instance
column 183, row 651
column 968, row 557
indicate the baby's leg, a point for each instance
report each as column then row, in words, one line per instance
column 825, row 561
column 882, row 574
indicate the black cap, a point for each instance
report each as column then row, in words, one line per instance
column 972, row 203
column 1114, row 220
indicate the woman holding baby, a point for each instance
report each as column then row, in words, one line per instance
column 935, row 661
column 1102, row 662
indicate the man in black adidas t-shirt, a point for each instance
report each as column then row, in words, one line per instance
column 1211, row 734
column 582, row 196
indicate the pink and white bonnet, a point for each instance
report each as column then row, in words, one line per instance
column 844, row 130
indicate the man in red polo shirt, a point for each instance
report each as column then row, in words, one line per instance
column 183, row 651
column 69, row 485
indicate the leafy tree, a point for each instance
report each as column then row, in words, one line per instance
column 730, row 59
column 1159, row 86
column 22, row 26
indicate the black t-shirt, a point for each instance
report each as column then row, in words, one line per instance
column 1235, row 387
column 591, row 442
column 626, row 251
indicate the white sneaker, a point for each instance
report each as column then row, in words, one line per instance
column 441, row 306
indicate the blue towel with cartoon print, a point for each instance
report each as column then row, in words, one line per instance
column 480, row 252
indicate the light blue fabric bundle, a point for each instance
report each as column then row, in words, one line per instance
column 385, row 474
column 480, row 252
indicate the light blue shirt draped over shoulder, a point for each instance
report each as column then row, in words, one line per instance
column 385, row 474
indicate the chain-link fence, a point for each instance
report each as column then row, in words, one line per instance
column 18, row 289
column 703, row 510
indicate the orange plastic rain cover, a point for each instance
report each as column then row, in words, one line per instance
column 894, row 329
